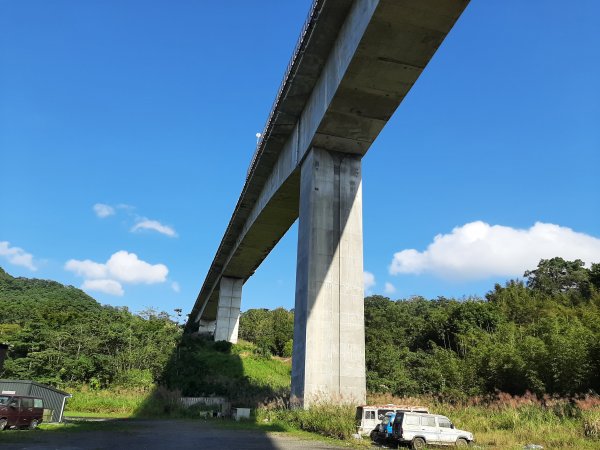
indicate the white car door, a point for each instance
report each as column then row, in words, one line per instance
column 369, row 421
column 430, row 430
column 447, row 434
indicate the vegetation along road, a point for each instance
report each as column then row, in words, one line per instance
column 154, row 434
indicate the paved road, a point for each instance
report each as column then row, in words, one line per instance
column 155, row 435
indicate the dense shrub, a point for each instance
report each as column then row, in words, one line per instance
column 336, row 421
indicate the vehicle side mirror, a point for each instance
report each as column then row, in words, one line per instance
column 452, row 426
column 13, row 404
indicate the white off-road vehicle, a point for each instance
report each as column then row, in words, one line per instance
column 419, row 430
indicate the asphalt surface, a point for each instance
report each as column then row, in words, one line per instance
column 156, row 434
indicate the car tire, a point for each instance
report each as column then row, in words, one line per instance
column 462, row 442
column 418, row 443
column 373, row 434
column 3, row 424
column 33, row 424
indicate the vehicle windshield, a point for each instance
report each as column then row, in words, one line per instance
column 4, row 400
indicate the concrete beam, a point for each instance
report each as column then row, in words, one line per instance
column 328, row 362
column 228, row 314
column 356, row 62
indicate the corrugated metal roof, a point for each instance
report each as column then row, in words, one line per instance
column 54, row 399
column 45, row 386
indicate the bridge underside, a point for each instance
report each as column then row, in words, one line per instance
column 356, row 62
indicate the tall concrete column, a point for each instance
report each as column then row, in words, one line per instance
column 228, row 314
column 206, row 326
column 328, row 361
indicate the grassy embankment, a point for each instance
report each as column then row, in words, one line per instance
column 505, row 423
column 121, row 402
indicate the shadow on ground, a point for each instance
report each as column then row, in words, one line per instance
column 136, row 434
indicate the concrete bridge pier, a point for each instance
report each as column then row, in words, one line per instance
column 228, row 313
column 206, row 327
column 328, row 361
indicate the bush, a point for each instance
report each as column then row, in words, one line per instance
column 223, row 346
column 591, row 425
column 162, row 402
column 135, row 379
column 335, row 421
column 288, row 348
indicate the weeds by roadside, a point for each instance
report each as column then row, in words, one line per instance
column 509, row 422
column 107, row 402
column 498, row 422
column 329, row 420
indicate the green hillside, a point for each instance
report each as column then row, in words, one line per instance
column 60, row 335
column 541, row 335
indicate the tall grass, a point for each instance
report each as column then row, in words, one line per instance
column 106, row 401
column 335, row 421
column 510, row 422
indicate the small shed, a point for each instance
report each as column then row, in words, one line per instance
column 54, row 399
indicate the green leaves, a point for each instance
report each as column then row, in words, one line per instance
column 60, row 335
column 543, row 337
column 269, row 330
column 556, row 276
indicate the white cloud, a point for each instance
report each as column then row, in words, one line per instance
column 175, row 286
column 121, row 267
column 103, row 210
column 110, row 287
column 368, row 280
column 154, row 225
column 17, row 256
column 87, row 268
column 389, row 288
column 127, row 267
column 478, row 250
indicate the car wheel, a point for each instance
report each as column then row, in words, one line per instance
column 33, row 424
column 3, row 424
column 462, row 443
column 418, row 443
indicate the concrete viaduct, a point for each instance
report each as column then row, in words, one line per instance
column 353, row 64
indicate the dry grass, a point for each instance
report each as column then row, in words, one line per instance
column 510, row 422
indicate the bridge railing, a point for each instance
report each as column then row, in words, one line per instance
column 298, row 49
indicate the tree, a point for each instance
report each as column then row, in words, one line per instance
column 557, row 276
column 283, row 330
column 595, row 276
column 58, row 334
column 268, row 330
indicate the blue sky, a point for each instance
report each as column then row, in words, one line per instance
column 151, row 108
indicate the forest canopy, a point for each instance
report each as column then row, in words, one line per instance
column 59, row 335
column 540, row 334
